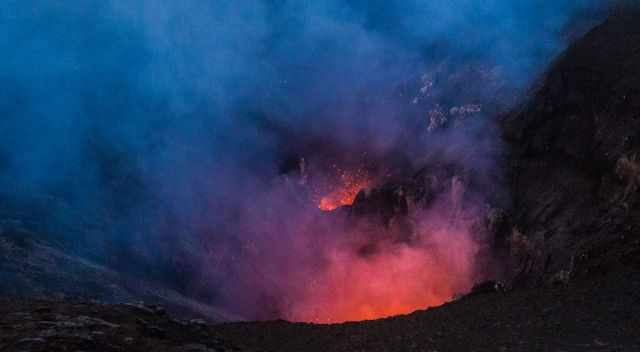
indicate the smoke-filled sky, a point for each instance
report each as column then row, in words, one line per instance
column 167, row 123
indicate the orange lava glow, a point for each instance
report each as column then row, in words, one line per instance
column 398, row 280
column 347, row 190
column 306, row 267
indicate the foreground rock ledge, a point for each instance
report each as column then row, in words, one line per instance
column 599, row 315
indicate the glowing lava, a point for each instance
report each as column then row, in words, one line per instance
column 347, row 190
column 397, row 279
column 302, row 266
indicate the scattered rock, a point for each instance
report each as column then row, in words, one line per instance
column 197, row 322
column 31, row 340
column 42, row 310
column 561, row 278
column 94, row 322
column 195, row 348
column 485, row 287
column 154, row 331
column 141, row 308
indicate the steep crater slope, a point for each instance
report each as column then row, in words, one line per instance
column 573, row 166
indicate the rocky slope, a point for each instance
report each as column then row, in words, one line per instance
column 597, row 315
column 82, row 326
column 38, row 268
column 573, row 171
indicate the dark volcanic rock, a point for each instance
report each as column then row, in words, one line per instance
column 83, row 326
column 32, row 267
column 600, row 315
column 573, row 171
column 484, row 288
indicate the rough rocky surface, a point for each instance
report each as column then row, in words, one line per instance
column 33, row 267
column 575, row 197
column 84, row 326
column 597, row 315
column 585, row 316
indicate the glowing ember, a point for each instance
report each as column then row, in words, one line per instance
column 346, row 192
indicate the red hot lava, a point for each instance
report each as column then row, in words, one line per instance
column 349, row 184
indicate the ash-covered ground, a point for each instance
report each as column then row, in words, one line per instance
column 600, row 314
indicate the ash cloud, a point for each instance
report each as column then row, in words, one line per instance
column 163, row 127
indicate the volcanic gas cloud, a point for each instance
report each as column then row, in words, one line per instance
column 398, row 248
column 393, row 278
column 152, row 135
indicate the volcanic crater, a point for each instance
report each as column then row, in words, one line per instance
column 500, row 219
